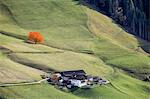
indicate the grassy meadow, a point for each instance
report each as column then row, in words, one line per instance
column 76, row 37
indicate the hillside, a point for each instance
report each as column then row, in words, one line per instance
column 76, row 37
column 132, row 15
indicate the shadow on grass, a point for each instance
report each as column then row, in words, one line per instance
column 29, row 63
column 13, row 35
column 1, row 97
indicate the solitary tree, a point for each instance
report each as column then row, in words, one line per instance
column 35, row 37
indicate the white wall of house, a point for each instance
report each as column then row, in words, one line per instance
column 78, row 83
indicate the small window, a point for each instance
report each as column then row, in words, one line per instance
column 82, row 81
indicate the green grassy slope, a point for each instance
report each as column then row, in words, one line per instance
column 74, row 61
column 60, row 22
column 115, row 46
column 12, row 72
column 44, row 91
column 123, row 87
column 54, row 58
column 71, row 31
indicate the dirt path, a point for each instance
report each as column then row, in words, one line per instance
column 22, row 84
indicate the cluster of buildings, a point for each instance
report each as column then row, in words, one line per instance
column 76, row 78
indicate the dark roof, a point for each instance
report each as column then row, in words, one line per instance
column 78, row 77
column 73, row 72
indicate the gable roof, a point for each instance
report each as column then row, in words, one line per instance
column 73, row 72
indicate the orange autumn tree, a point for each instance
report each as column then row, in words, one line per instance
column 35, row 37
